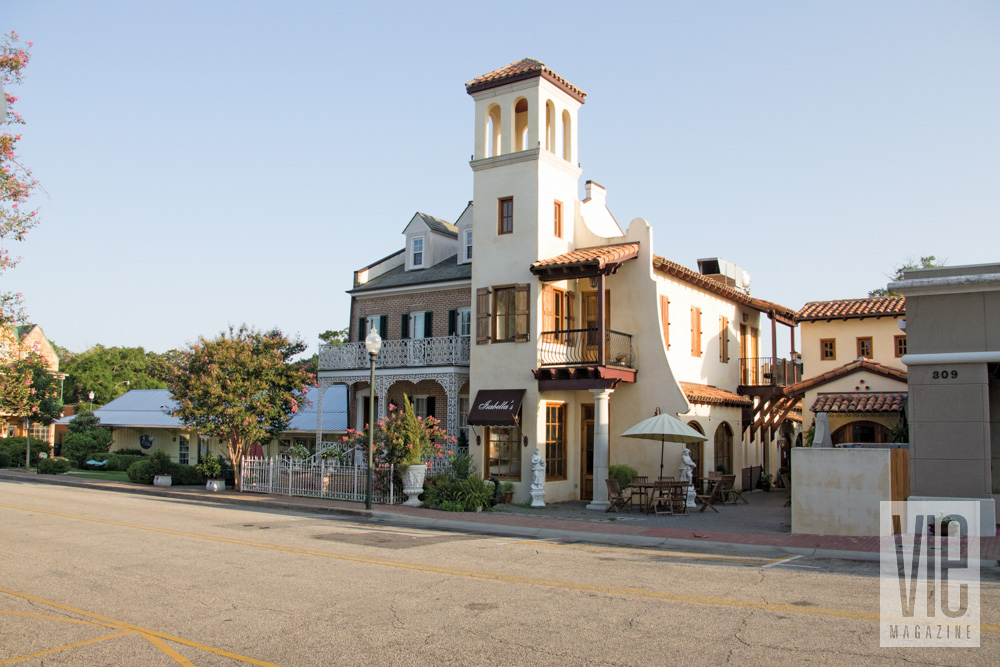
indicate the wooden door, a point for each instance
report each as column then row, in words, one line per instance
column 587, row 452
column 744, row 362
column 590, row 322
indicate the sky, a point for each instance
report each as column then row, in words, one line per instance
column 215, row 163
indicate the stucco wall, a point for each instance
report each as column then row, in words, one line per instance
column 882, row 331
column 862, row 381
column 838, row 491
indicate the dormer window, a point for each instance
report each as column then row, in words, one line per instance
column 467, row 245
column 417, row 256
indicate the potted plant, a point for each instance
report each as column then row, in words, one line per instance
column 211, row 468
column 766, row 481
column 161, row 468
column 409, row 441
column 506, row 492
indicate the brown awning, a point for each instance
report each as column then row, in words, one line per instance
column 496, row 407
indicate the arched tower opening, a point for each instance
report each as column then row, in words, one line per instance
column 493, row 131
column 550, row 126
column 567, row 132
column 520, row 124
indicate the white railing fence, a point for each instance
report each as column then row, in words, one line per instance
column 320, row 478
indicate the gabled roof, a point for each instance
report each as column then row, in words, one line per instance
column 779, row 312
column 708, row 395
column 525, row 68
column 802, row 387
column 152, row 408
column 444, row 271
column 878, row 401
column 885, row 306
column 584, row 262
column 439, row 225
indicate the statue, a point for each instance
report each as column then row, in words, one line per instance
column 537, row 479
column 686, row 469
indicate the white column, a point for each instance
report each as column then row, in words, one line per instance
column 601, row 449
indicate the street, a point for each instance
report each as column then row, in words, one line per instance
column 97, row 578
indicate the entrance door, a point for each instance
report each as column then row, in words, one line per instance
column 590, row 322
column 364, row 410
column 587, row 452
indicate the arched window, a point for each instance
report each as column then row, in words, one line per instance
column 550, row 126
column 493, row 131
column 724, row 448
column 696, row 448
column 567, row 130
column 520, row 124
column 861, row 431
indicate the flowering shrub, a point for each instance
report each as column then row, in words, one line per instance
column 211, row 466
column 402, row 438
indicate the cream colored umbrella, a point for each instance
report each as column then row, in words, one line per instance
column 665, row 428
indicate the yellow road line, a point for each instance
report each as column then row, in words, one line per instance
column 61, row 619
column 160, row 644
column 136, row 628
column 67, row 646
column 488, row 576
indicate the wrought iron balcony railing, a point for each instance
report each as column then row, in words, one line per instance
column 762, row 372
column 578, row 347
column 439, row 351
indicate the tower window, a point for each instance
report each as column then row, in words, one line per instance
column 557, row 219
column 417, row 258
column 506, row 216
column 493, row 131
column 550, row 127
column 567, row 128
column 520, row 124
column 468, row 244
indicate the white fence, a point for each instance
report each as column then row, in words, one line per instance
column 348, row 455
column 318, row 479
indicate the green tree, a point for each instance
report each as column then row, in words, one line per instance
column 240, row 387
column 334, row 337
column 29, row 392
column 928, row 262
column 109, row 372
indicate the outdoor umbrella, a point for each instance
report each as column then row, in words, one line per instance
column 664, row 428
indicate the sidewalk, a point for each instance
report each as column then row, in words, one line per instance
column 759, row 528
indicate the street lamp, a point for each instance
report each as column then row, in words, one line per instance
column 90, row 395
column 373, row 343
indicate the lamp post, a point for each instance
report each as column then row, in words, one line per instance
column 90, row 395
column 373, row 343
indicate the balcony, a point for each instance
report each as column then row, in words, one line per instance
column 571, row 359
column 762, row 372
column 414, row 352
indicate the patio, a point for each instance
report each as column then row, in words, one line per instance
column 764, row 515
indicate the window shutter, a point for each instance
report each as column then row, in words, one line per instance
column 695, row 331
column 361, row 329
column 431, row 407
column 428, row 326
column 452, row 322
column 665, row 319
column 570, row 309
column 404, row 326
column 482, row 315
column 724, row 339
column 549, row 310
column 383, row 326
column 522, row 312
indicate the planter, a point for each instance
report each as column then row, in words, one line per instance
column 215, row 485
column 162, row 480
column 413, row 483
column 506, row 497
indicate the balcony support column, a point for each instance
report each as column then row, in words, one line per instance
column 601, row 328
column 602, row 448
column 774, row 349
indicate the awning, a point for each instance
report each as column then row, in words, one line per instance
column 496, row 407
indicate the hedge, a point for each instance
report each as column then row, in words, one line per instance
column 53, row 466
column 142, row 472
column 4, row 460
column 14, row 448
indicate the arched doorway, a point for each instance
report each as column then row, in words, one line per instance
column 697, row 448
column 861, row 432
column 724, row 448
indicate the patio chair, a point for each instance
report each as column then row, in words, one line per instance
column 713, row 496
column 619, row 501
column 640, row 493
column 787, row 483
column 665, row 479
column 659, row 499
column 678, row 498
column 728, row 494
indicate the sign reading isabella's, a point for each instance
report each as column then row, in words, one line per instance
column 496, row 407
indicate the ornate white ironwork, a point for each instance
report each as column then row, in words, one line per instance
column 438, row 351
column 302, row 477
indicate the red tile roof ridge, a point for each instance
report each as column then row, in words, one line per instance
column 860, row 401
column 881, row 306
column 521, row 69
column 707, row 394
column 600, row 255
column 857, row 365
column 712, row 285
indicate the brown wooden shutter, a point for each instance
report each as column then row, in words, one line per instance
column 695, row 331
column 724, row 339
column 522, row 313
column 665, row 319
column 482, row 315
column 549, row 312
column 570, row 311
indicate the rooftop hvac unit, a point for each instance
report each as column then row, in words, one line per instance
column 725, row 272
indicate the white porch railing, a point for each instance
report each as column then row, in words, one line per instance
column 288, row 476
column 439, row 351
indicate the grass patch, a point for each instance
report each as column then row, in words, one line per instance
column 109, row 475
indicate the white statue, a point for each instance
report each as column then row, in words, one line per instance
column 686, row 469
column 537, row 479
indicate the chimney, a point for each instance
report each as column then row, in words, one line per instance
column 596, row 192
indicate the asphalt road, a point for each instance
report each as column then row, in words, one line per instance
column 96, row 578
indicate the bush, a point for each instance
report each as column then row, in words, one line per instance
column 461, row 466
column 623, row 473
column 475, row 493
column 53, row 466
column 122, row 462
column 80, row 448
column 129, row 452
column 442, row 489
column 4, row 460
column 141, row 472
column 161, row 462
column 182, row 475
column 451, row 506
column 14, row 448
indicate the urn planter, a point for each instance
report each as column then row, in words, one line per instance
column 162, row 480
column 215, row 485
column 413, row 483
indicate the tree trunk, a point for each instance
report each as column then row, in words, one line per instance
column 236, row 456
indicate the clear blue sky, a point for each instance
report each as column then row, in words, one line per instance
column 209, row 163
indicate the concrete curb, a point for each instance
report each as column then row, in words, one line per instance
column 472, row 527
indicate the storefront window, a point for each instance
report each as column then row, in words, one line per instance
column 504, row 453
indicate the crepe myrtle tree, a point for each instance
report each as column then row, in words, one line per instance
column 30, row 393
column 240, row 387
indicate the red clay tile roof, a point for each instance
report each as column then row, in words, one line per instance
column 863, row 402
column 781, row 313
column 522, row 69
column 709, row 395
column 800, row 388
column 886, row 306
column 598, row 257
